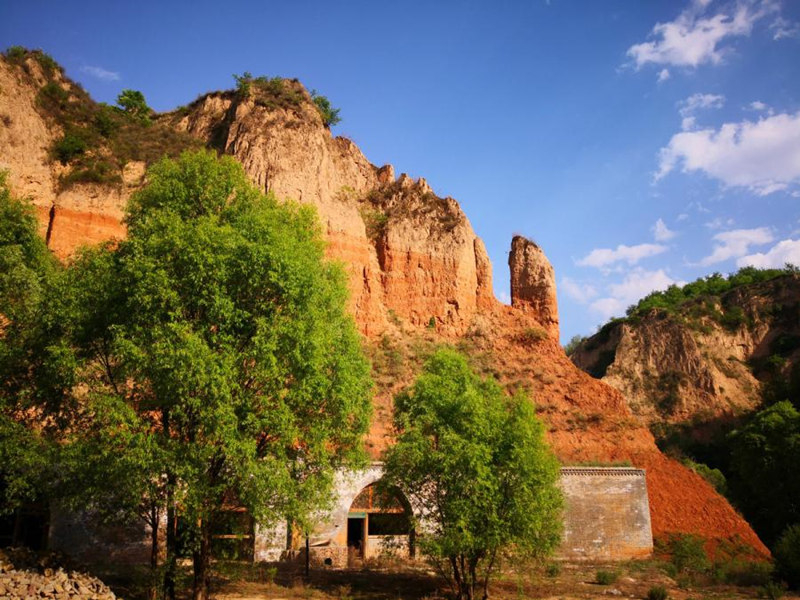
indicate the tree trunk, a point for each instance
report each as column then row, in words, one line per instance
column 152, row 593
column 170, row 561
column 202, row 559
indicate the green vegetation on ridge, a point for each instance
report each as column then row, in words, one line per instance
column 710, row 286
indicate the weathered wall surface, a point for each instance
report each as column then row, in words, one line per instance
column 607, row 514
column 606, row 517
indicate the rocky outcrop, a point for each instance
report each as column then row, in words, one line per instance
column 406, row 250
column 533, row 283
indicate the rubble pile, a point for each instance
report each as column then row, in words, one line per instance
column 25, row 575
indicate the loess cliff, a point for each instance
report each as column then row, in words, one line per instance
column 707, row 360
column 418, row 274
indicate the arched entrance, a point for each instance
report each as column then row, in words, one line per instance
column 379, row 522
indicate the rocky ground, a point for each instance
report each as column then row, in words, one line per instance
column 25, row 575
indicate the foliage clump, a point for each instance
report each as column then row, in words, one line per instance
column 474, row 463
column 330, row 116
column 134, row 105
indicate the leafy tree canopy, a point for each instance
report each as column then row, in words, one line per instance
column 134, row 104
column 477, row 470
column 26, row 272
column 211, row 355
column 764, row 456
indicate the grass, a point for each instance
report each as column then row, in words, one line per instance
column 393, row 580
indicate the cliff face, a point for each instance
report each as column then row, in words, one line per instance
column 694, row 365
column 419, row 276
column 84, row 214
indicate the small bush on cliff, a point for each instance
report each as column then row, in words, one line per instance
column 134, row 105
column 330, row 115
column 606, row 577
column 658, row 592
column 71, row 145
column 476, row 466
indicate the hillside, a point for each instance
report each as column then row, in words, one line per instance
column 703, row 357
column 418, row 274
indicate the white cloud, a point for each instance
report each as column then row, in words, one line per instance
column 695, row 38
column 503, row 296
column 719, row 223
column 697, row 102
column 784, row 29
column 580, row 292
column 736, row 243
column 785, row 251
column 762, row 156
column 682, row 217
column 607, row 307
column 661, row 232
column 100, row 73
column 636, row 285
column 663, row 75
column 601, row 257
column 758, row 105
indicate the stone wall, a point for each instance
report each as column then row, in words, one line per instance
column 606, row 517
column 607, row 514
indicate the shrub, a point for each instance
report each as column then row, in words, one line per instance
column 658, row 592
column 743, row 572
column 134, row 104
column 772, row 590
column 47, row 63
column 553, row 570
column 787, row 555
column 573, row 344
column 52, row 98
column 244, row 84
column 375, row 222
column 606, row 577
column 533, row 334
column 687, row 554
column 330, row 116
column 15, row 54
column 104, row 121
column 713, row 476
column 72, row 144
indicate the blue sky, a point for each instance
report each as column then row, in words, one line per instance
column 639, row 143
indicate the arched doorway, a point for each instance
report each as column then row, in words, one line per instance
column 379, row 522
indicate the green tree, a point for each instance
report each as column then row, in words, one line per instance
column 330, row 116
column 573, row 344
column 134, row 104
column 27, row 271
column 764, row 458
column 224, row 348
column 477, row 470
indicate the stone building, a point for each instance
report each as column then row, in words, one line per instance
column 606, row 517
